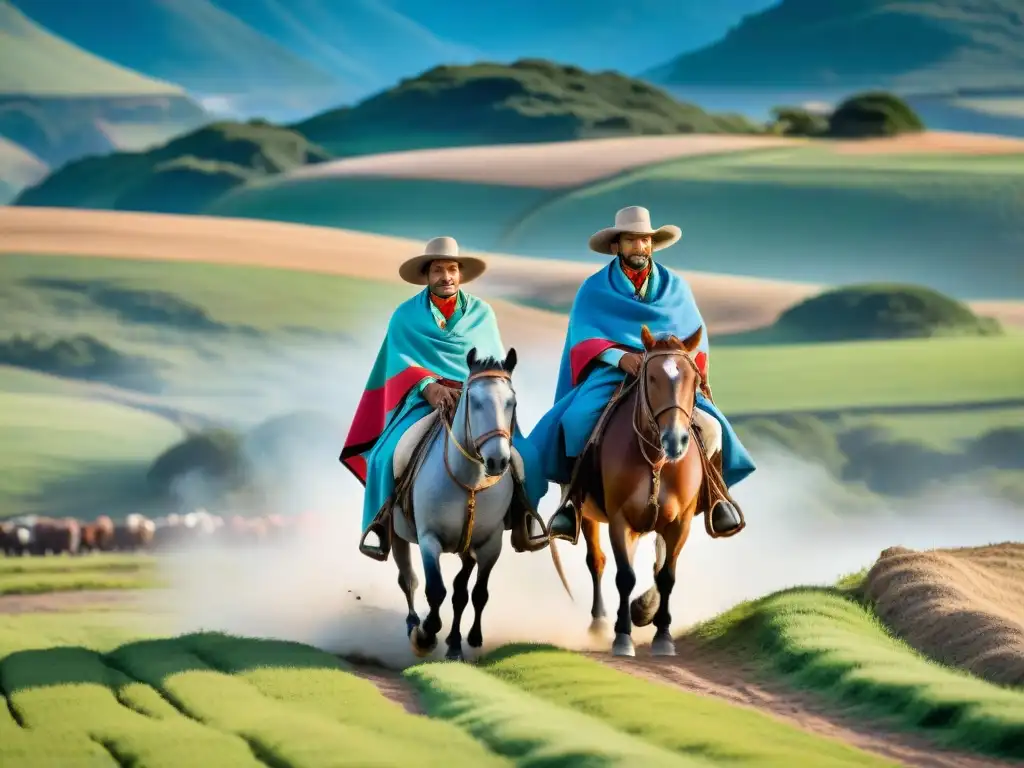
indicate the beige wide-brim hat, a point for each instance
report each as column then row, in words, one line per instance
column 415, row 269
column 635, row 220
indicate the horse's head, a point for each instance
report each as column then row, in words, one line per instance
column 669, row 381
column 490, row 403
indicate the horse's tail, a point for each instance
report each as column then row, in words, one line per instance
column 557, row 560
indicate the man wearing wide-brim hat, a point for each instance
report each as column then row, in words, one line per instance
column 603, row 347
column 421, row 366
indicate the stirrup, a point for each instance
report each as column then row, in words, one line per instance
column 382, row 550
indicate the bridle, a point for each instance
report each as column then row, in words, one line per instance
column 475, row 445
column 645, row 420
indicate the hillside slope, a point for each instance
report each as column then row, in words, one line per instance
column 19, row 168
column 920, row 45
column 488, row 103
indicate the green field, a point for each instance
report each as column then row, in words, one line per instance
column 947, row 221
column 40, row 575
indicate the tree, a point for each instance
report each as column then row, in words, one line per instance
column 873, row 114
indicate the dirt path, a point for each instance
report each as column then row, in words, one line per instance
column 78, row 600
column 728, row 678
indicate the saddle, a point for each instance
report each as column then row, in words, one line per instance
column 586, row 479
column 410, row 452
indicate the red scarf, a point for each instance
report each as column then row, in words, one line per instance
column 447, row 306
column 636, row 276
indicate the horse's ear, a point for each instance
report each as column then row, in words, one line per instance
column 647, row 337
column 471, row 357
column 693, row 340
column 510, row 360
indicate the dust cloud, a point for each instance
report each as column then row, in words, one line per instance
column 803, row 528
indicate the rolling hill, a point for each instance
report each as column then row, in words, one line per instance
column 921, row 46
column 527, row 101
column 924, row 208
column 181, row 176
column 58, row 101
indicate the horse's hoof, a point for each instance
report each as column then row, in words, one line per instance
column 455, row 654
column 419, row 645
column 623, row 646
column 663, row 646
column 599, row 627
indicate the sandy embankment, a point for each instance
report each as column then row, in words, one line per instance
column 962, row 607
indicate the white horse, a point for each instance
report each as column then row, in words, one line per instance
column 460, row 497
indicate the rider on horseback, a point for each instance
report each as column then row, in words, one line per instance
column 602, row 349
column 421, row 366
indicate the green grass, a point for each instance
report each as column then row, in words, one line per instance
column 38, row 63
column 71, row 455
column 804, row 213
column 694, row 726
column 517, row 725
column 941, row 431
column 210, row 698
column 38, row 575
column 823, row 640
column 857, row 374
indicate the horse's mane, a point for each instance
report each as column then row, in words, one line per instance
column 486, row 364
column 666, row 341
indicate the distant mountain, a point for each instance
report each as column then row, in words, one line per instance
column 59, row 102
column 195, row 43
column 527, row 101
column 182, row 176
column 909, row 46
column 284, row 59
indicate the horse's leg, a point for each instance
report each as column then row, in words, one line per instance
column 424, row 636
column 486, row 556
column 624, row 543
column 643, row 608
column 595, row 564
column 675, row 535
column 407, row 580
column 460, row 599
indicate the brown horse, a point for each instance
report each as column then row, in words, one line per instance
column 650, row 476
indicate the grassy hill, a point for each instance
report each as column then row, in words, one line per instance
column 876, row 311
column 530, row 100
column 818, row 213
column 182, row 176
column 56, row 99
column 924, row 46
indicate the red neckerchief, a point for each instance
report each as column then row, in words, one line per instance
column 447, row 306
column 636, row 276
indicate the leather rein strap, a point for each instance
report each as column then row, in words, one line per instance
column 475, row 457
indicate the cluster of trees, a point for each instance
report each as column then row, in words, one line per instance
column 874, row 114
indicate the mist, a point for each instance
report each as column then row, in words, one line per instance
column 802, row 528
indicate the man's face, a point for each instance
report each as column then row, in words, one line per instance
column 443, row 278
column 634, row 250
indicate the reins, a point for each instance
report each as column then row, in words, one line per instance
column 643, row 411
column 476, row 457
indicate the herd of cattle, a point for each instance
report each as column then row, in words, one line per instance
column 33, row 535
